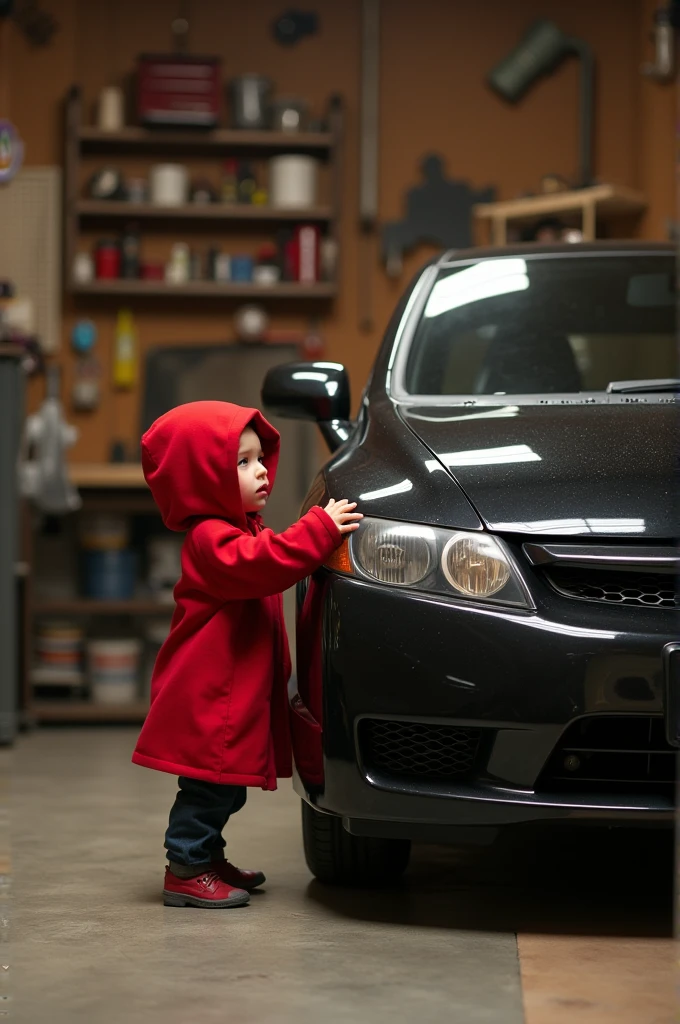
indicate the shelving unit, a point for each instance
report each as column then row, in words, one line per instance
column 119, row 488
column 586, row 205
column 82, row 214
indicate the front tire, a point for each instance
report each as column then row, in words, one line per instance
column 338, row 858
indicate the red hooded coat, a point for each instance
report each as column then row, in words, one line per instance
column 219, row 709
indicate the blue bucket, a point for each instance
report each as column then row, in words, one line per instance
column 110, row 575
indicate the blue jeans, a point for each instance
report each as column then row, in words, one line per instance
column 200, row 812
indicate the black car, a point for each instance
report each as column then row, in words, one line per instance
column 497, row 643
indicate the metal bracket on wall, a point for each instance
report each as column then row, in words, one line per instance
column 368, row 172
column 666, row 20
column 36, row 24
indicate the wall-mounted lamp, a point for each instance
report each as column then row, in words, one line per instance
column 539, row 52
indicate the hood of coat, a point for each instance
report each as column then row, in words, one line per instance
column 189, row 457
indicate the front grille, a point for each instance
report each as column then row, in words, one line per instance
column 418, row 750
column 617, row 754
column 623, row 587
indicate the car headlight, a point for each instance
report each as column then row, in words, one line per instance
column 396, row 553
column 475, row 566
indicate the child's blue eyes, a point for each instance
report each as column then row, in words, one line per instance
column 244, row 462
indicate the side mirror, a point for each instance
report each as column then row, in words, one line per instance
column 311, row 391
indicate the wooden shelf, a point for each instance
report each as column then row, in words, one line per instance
column 598, row 201
column 199, row 212
column 205, row 289
column 106, row 474
column 612, row 199
column 89, row 606
column 10, row 351
column 57, row 677
column 87, row 711
column 220, row 139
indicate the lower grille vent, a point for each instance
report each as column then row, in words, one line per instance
column 613, row 754
column 418, row 750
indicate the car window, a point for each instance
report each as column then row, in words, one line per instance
column 535, row 325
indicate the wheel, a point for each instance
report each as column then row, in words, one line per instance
column 338, row 858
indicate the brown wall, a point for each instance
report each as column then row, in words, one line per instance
column 435, row 54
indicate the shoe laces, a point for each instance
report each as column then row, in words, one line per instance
column 209, row 878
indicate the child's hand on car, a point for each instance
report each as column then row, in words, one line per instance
column 342, row 514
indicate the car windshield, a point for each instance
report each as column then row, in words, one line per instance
column 545, row 324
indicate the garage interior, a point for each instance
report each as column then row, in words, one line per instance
column 144, row 264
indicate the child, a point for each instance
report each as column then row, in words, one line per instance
column 219, row 716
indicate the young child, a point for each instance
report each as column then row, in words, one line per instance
column 219, row 714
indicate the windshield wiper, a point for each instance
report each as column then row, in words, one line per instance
column 628, row 387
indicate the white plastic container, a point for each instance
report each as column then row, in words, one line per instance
column 168, row 184
column 111, row 109
column 83, row 268
column 165, row 566
column 293, row 181
column 114, row 670
column 177, row 267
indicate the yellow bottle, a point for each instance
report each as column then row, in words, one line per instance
column 125, row 352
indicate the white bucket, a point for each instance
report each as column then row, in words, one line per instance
column 156, row 634
column 293, row 181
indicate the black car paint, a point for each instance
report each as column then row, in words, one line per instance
column 434, row 659
column 523, row 677
column 602, row 464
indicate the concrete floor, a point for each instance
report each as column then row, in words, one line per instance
column 91, row 942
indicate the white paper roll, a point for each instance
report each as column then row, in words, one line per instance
column 293, row 181
column 110, row 116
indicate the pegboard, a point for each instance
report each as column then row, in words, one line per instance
column 30, row 246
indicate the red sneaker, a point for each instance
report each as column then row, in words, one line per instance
column 206, row 890
column 232, row 875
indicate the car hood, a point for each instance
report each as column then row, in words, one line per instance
column 599, row 470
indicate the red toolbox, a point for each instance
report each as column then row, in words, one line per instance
column 178, row 90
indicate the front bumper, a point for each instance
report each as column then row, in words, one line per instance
column 519, row 679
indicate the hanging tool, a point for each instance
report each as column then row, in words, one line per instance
column 438, row 212
column 368, row 175
column 180, row 28
column 294, row 25
column 43, row 469
column 665, row 24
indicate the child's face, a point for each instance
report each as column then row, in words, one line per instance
column 252, row 474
